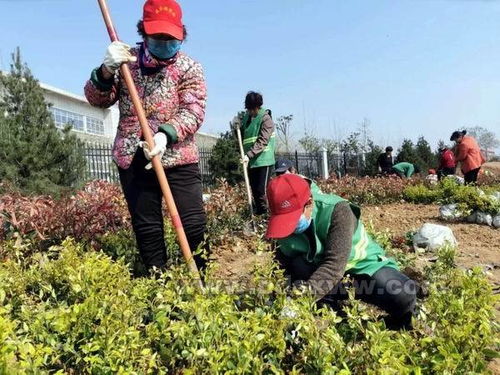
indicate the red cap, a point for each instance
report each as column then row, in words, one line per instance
column 163, row 17
column 287, row 196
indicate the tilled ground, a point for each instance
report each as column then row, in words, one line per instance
column 479, row 245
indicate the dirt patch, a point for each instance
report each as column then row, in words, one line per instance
column 479, row 245
column 493, row 167
column 237, row 259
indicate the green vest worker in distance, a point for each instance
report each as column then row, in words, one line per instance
column 259, row 145
column 321, row 238
column 405, row 170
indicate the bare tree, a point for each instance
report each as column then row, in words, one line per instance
column 487, row 139
column 364, row 132
column 283, row 125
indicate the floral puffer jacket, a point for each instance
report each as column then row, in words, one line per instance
column 173, row 98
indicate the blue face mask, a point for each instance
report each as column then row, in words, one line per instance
column 303, row 224
column 163, row 49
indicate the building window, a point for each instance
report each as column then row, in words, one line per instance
column 63, row 118
column 95, row 126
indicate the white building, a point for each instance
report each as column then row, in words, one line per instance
column 92, row 124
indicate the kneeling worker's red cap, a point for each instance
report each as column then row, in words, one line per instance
column 287, row 196
column 163, row 17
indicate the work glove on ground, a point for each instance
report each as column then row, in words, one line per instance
column 117, row 54
column 161, row 142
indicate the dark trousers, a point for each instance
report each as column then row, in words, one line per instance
column 387, row 289
column 471, row 176
column 258, row 182
column 144, row 199
column 445, row 172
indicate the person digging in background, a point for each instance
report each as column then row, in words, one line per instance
column 468, row 154
column 259, row 141
column 405, row 170
column 172, row 88
column 447, row 164
column 385, row 161
column 321, row 238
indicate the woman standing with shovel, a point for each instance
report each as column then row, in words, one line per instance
column 257, row 129
column 171, row 86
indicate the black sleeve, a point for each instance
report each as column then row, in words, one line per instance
column 336, row 252
column 379, row 161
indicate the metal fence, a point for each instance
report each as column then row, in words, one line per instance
column 306, row 164
column 100, row 164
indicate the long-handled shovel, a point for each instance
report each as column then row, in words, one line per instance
column 146, row 131
column 247, row 180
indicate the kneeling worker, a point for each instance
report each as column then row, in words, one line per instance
column 405, row 170
column 321, row 238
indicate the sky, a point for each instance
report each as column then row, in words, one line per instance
column 412, row 68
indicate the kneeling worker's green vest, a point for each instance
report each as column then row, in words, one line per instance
column 366, row 257
column 250, row 135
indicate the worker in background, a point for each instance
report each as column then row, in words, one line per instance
column 405, row 170
column 447, row 164
column 385, row 161
column 468, row 154
column 285, row 166
column 258, row 132
column 321, row 239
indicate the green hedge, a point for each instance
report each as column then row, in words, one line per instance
column 73, row 311
column 470, row 198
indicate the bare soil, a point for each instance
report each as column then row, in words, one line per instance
column 493, row 167
column 479, row 245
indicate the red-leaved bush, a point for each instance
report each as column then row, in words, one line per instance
column 95, row 210
column 368, row 190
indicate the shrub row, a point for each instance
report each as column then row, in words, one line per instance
column 448, row 191
column 73, row 311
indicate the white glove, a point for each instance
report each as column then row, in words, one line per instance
column 245, row 160
column 160, row 140
column 117, row 54
column 236, row 123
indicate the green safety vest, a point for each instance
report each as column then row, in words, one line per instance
column 405, row 168
column 251, row 131
column 366, row 257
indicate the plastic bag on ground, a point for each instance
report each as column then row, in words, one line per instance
column 432, row 236
column 496, row 221
column 449, row 212
column 484, row 218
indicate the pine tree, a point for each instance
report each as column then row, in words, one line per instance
column 36, row 156
column 426, row 158
column 407, row 153
column 224, row 161
column 371, row 158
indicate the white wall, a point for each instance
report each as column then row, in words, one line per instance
column 79, row 105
